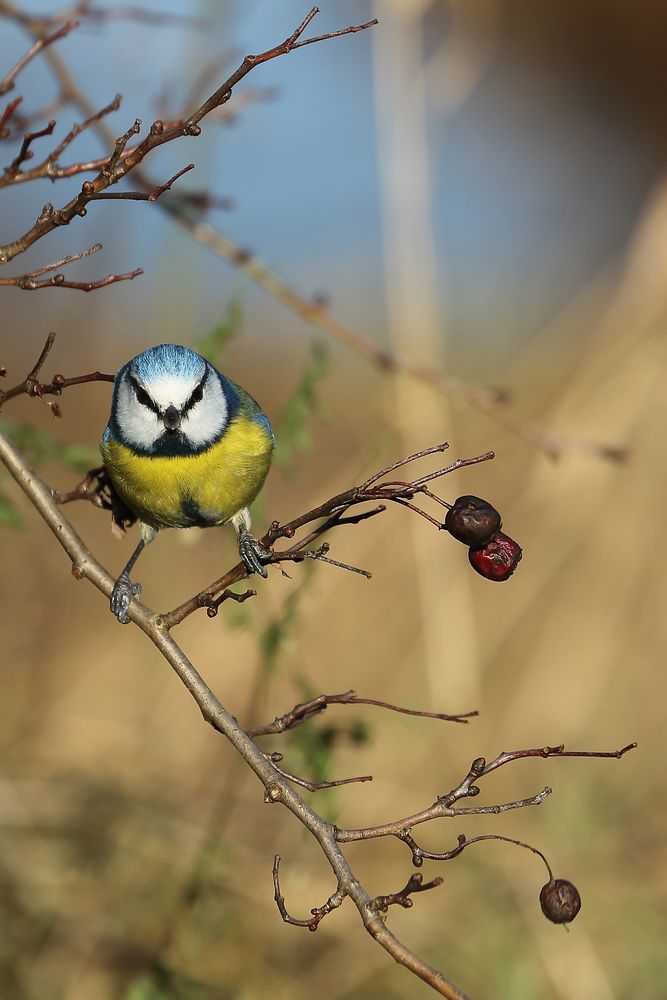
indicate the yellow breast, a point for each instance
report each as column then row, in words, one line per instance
column 199, row 490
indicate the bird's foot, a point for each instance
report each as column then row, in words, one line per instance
column 121, row 595
column 253, row 555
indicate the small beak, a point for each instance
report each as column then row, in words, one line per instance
column 171, row 418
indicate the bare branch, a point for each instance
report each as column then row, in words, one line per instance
column 8, row 82
column 121, row 162
column 137, row 13
column 74, row 132
column 31, row 386
column 418, row 854
column 95, row 487
column 444, row 805
column 29, row 283
column 316, row 311
column 313, row 786
column 25, row 153
column 6, row 115
column 331, row 512
column 316, row 706
column 50, row 167
column 277, row 788
column 402, row 898
column 143, row 195
column 317, row 914
column 278, row 783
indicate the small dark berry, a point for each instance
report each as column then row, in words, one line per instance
column 498, row 559
column 472, row 521
column 560, row 901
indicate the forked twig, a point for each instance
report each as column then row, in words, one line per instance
column 307, row 710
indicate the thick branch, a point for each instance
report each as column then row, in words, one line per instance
column 277, row 788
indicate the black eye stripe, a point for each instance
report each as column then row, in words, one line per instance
column 145, row 400
column 197, row 395
column 143, row 397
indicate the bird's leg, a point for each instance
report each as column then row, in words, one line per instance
column 253, row 555
column 124, row 590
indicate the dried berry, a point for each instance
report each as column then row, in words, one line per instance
column 472, row 521
column 498, row 559
column 560, row 901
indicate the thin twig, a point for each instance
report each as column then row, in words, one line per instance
column 444, row 806
column 315, row 706
column 29, row 283
column 31, row 386
column 464, row 842
column 330, row 512
column 121, row 162
column 277, row 788
column 278, row 783
column 402, row 898
column 6, row 115
column 317, row 914
column 316, row 311
column 146, row 195
column 25, row 153
column 314, row 786
column 8, row 81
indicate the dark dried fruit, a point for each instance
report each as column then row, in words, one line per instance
column 472, row 521
column 498, row 559
column 560, row 901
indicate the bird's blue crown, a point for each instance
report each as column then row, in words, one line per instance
column 168, row 359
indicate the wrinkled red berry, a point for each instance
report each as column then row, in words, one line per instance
column 498, row 559
column 472, row 521
column 560, row 901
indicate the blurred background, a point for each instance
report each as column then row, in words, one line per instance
column 478, row 186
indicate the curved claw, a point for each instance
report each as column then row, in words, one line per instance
column 121, row 596
column 252, row 553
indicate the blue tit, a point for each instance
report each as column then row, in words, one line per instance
column 184, row 447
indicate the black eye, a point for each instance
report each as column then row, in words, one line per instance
column 196, row 396
column 142, row 396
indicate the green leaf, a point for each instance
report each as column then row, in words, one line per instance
column 212, row 344
column 292, row 430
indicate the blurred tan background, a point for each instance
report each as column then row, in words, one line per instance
column 479, row 186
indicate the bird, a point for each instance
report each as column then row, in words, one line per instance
column 184, row 447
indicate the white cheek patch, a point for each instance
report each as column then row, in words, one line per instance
column 207, row 419
column 202, row 424
column 138, row 423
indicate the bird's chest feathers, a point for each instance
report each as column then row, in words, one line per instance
column 197, row 490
